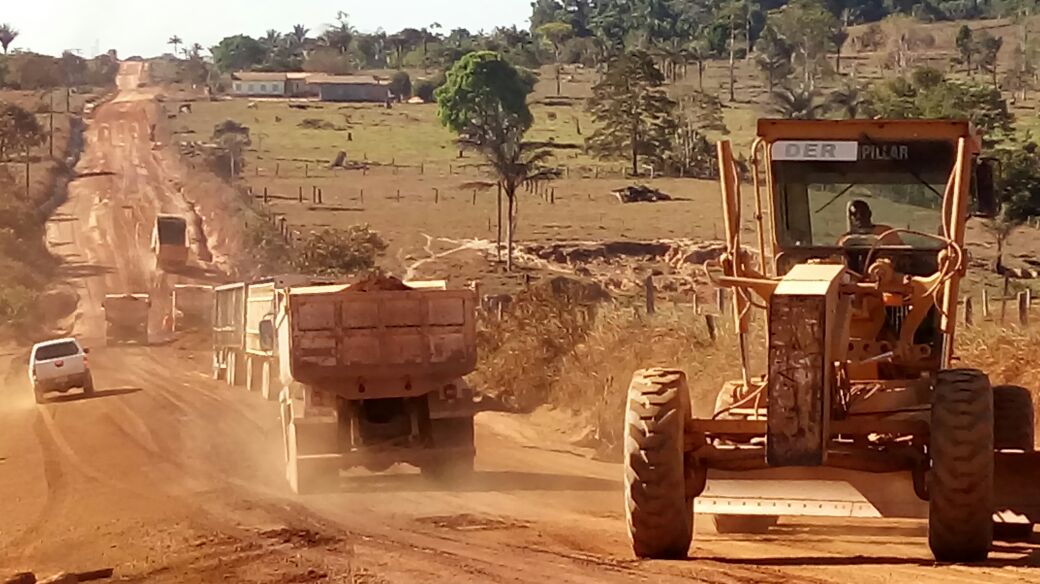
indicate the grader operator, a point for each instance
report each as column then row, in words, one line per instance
column 854, row 403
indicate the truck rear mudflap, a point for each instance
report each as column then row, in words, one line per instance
column 837, row 492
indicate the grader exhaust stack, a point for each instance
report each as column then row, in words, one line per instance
column 857, row 411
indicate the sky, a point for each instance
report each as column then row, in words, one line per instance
column 141, row 27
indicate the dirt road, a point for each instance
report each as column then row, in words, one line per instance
column 168, row 476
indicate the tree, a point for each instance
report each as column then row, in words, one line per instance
column 988, row 49
column 401, row 85
column 298, row 35
column 633, row 110
column 773, row 57
column 7, row 36
column 1018, row 183
column 19, row 130
column 849, row 100
column 176, row 42
column 238, row 53
column 796, row 103
column 965, row 46
column 810, row 28
column 555, row 33
column 339, row 36
column 484, row 100
column 339, row 252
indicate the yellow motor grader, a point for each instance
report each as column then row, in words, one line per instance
column 856, row 405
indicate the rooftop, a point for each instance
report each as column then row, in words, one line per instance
column 347, row 80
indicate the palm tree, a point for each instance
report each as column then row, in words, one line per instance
column 849, row 100
column 298, row 34
column 7, row 35
column 796, row 103
column 271, row 39
column 195, row 52
column 176, row 42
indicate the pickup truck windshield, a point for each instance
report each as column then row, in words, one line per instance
column 56, row 351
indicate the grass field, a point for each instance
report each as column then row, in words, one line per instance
column 417, row 190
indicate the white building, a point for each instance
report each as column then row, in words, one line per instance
column 258, row 84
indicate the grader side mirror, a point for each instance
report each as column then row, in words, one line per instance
column 986, row 204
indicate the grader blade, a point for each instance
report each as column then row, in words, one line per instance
column 811, row 492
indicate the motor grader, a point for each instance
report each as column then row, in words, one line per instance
column 852, row 401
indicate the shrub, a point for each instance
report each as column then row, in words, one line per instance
column 401, row 85
column 424, row 88
column 339, row 252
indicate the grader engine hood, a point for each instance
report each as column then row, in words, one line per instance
column 800, row 363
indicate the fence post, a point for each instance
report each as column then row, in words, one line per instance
column 362, row 196
column 299, row 195
column 422, row 168
column 552, row 196
column 306, row 170
column 267, row 199
column 696, row 303
column 720, row 300
column 398, row 195
column 321, row 196
column 969, row 312
column 1004, row 299
column 436, row 196
column 709, row 321
column 650, row 307
column 985, row 305
column 1023, row 309
column 475, row 197
column 277, row 168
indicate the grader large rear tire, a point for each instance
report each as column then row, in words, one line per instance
column 1013, row 429
column 1013, row 418
column 960, row 485
column 660, row 516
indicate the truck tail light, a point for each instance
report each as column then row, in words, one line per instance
column 59, row 363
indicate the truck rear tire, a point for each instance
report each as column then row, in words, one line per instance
column 456, row 433
column 1013, row 418
column 658, row 512
column 307, row 472
column 960, row 485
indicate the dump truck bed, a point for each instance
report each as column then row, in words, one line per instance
column 334, row 332
column 229, row 316
column 126, row 309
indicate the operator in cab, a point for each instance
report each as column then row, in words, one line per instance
column 861, row 222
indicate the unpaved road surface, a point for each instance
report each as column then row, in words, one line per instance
column 168, row 476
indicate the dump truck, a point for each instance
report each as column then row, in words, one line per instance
column 372, row 375
column 858, row 406
column 126, row 318
column 170, row 242
column 192, row 307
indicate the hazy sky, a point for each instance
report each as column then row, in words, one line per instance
column 141, row 27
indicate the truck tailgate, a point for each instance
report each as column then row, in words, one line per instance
column 382, row 333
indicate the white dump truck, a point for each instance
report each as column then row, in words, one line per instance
column 239, row 356
column 192, row 307
column 372, row 375
column 126, row 318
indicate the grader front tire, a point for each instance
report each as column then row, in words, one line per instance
column 960, row 487
column 659, row 515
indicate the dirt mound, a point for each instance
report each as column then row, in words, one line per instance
column 582, row 253
column 572, row 289
column 58, row 303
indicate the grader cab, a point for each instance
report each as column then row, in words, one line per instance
column 855, row 404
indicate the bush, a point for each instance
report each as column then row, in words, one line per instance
column 16, row 302
column 339, row 252
column 424, row 88
column 330, row 61
column 401, row 85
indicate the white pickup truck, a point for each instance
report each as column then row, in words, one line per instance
column 59, row 365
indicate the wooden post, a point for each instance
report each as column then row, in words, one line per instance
column 321, row 197
column 51, row 135
column 474, row 196
column 969, row 312
column 1023, row 309
column 1004, row 299
column 650, row 307
column 362, row 193
column 552, row 196
column 709, row 321
column 267, row 198
column 422, row 168
column 696, row 303
column 450, row 169
column 498, row 238
column 398, row 195
column 985, row 304
column 299, row 195
column 436, row 196
column 277, row 168
column 306, row 170
column 720, row 300
column 489, row 223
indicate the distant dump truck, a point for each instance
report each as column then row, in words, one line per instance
column 372, row 375
column 192, row 307
column 170, row 242
column 126, row 318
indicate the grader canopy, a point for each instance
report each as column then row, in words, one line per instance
column 852, row 407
